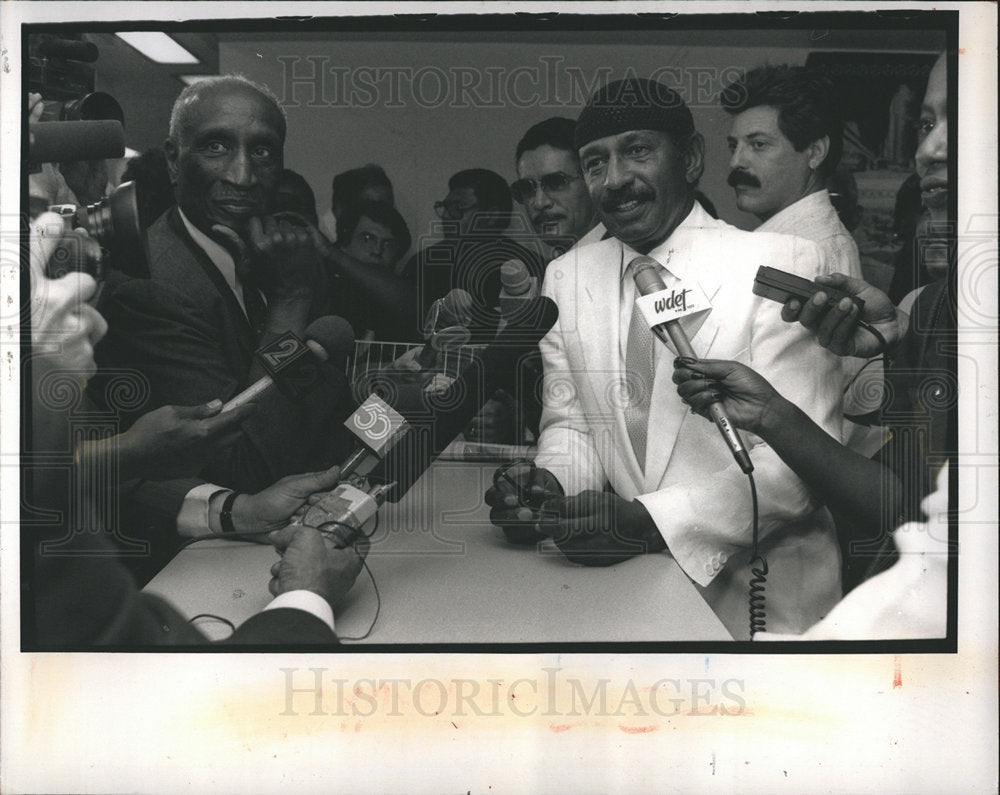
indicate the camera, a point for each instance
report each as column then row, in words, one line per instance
column 62, row 71
column 113, row 221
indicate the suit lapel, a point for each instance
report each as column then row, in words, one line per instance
column 598, row 304
column 690, row 260
column 245, row 334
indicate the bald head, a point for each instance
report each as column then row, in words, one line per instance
column 194, row 94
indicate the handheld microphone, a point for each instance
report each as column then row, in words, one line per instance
column 647, row 282
column 438, row 417
column 446, row 326
column 292, row 367
column 66, row 141
column 518, row 287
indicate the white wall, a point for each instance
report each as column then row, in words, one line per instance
column 421, row 137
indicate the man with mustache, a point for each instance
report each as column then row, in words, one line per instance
column 226, row 278
column 551, row 187
column 874, row 496
column 785, row 143
column 611, row 417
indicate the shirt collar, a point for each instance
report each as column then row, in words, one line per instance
column 695, row 219
column 215, row 252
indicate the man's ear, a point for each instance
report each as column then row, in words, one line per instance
column 694, row 159
column 818, row 150
column 171, row 150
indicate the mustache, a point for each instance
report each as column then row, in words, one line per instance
column 614, row 198
column 740, row 177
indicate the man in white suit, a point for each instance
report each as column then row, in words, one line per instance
column 611, row 416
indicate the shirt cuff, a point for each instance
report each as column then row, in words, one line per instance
column 308, row 601
column 192, row 519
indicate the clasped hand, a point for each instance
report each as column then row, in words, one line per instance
column 594, row 528
column 283, row 255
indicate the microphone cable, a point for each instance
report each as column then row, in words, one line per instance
column 758, row 616
column 256, row 537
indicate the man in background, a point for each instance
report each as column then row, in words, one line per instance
column 366, row 183
column 551, row 187
column 785, row 142
column 478, row 239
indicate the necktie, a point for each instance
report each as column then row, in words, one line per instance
column 255, row 308
column 253, row 302
column 639, row 373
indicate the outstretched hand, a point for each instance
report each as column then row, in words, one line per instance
column 274, row 507
column 837, row 328
column 748, row 398
column 174, row 441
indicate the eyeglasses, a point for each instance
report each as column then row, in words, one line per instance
column 452, row 211
column 379, row 244
column 524, row 190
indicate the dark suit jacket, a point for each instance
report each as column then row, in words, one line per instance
column 184, row 333
column 86, row 600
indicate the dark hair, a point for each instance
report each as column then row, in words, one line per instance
column 348, row 185
column 380, row 213
column 154, row 191
column 492, row 191
column 297, row 183
column 804, row 101
column 557, row 132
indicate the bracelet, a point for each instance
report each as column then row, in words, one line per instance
column 226, row 515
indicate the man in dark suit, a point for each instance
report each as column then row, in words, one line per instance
column 226, row 278
column 76, row 592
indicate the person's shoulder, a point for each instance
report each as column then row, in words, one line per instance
column 791, row 253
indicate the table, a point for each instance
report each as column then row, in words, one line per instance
column 446, row 575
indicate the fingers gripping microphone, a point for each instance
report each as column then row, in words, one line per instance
column 648, row 282
column 292, row 367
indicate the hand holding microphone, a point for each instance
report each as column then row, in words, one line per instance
column 296, row 367
column 748, row 398
column 647, row 283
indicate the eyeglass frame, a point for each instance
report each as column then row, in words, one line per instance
column 445, row 213
column 534, row 185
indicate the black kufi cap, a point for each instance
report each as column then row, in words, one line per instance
column 633, row 104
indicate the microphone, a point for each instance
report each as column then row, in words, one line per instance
column 438, row 417
column 517, row 288
column 446, row 326
column 292, row 367
column 65, row 141
column 648, row 282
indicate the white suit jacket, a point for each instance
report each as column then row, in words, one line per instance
column 691, row 486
